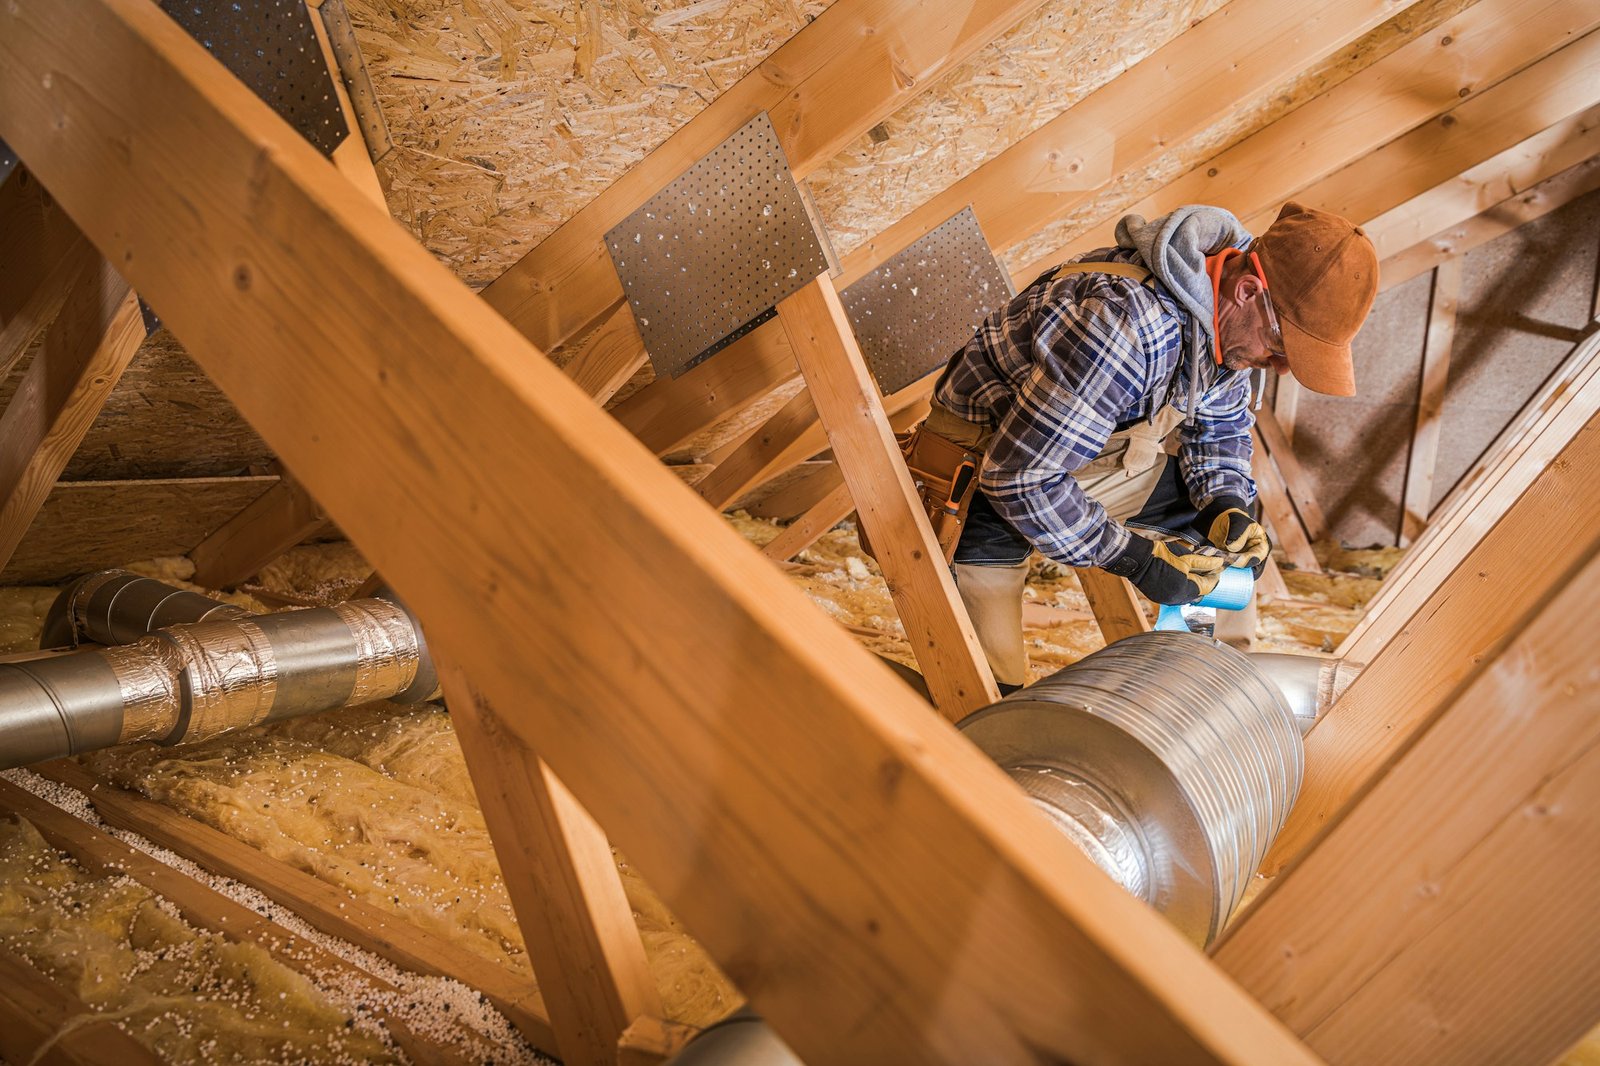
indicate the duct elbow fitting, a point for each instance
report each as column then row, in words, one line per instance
column 1310, row 683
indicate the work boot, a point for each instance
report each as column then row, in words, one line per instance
column 993, row 598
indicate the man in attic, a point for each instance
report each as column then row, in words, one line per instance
column 1079, row 393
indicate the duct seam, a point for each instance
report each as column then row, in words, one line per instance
column 387, row 654
column 232, row 673
column 147, row 676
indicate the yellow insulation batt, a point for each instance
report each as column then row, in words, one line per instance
column 188, row 995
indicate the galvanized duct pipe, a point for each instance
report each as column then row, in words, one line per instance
column 198, row 679
column 1310, row 684
column 1170, row 759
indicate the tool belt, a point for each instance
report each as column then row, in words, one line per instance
column 945, row 475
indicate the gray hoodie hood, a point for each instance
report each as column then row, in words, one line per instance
column 1175, row 247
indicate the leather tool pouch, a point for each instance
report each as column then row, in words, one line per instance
column 946, row 476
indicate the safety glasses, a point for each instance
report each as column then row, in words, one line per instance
column 1273, row 327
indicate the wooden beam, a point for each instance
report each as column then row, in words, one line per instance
column 666, row 414
column 85, row 525
column 1512, row 567
column 46, row 257
column 609, row 358
column 913, row 564
column 1295, row 480
column 104, row 855
column 853, row 66
column 804, row 531
column 809, row 488
column 1241, row 51
column 1489, row 45
column 1248, row 45
column 1417, row 500
column 1555, row 90
column 1278, row 509
column 781, row 439
column 323, row 906
column 264, row 529
column 37, row 1013
column 1478, row 189
column 85, row 351
column 1549, row 195
column 563, row 883
column 812, row 762
column 1116, row 606
column 1451, row 915
column 1533, row 440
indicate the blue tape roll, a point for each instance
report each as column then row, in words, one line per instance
column 1233, row 591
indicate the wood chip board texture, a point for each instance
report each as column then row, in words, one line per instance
column 510, row 115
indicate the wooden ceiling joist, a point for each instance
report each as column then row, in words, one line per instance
column 1447, row 915
column 852, row 67
column 835, row 797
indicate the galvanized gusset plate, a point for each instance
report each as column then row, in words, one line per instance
column 707, row 258
column 913, row 312
column 271, row 46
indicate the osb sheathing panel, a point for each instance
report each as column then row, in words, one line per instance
column 86, row 525
column 1355, row 449
column 1233, row 126
column 1525, row 297
column 165, row 420
column 1049, row 62
column 510, row 115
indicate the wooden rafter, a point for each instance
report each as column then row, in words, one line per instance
column 1492, row 182
column 258, row 533
column 1463, row 236
column 1448, row 915
column 93, row 339
column 1417, row 500
column 539, row 503
column 1467, row 616
column 1328, row 150
column 42, row 257
column 1244, row 49
column 849, row 69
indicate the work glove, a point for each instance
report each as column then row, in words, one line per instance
column 1167, row 571
column 1227, row 524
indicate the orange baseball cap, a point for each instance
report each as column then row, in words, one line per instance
column 1322, row 271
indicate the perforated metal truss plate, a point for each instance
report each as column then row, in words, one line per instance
column 708, row 257
column 912, row 313
column 270, row 45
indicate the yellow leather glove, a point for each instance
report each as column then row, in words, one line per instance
column 1228, row 524
column 1167, row 571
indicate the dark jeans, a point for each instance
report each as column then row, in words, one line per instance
column 989, row 540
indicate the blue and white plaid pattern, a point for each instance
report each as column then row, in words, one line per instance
column 1060, row 368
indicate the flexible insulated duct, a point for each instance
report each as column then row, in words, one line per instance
column 1170, row 759
column 196, row 679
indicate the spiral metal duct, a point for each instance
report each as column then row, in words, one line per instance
column 1169, row 759
column 216, row 670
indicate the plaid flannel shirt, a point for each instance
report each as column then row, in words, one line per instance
column 1060, row 368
